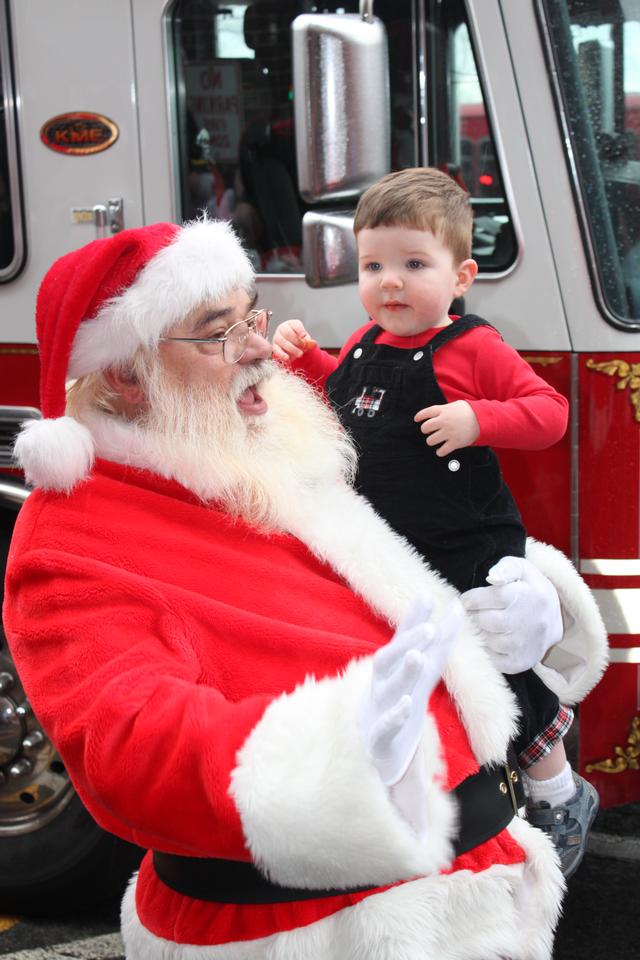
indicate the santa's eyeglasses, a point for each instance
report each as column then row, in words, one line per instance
column 236, row 339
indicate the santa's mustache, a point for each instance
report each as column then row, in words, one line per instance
column 252, row 375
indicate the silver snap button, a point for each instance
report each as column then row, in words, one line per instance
column 454, row 465
column 419, row 355
column 357, row 353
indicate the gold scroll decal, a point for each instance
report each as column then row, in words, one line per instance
column 626, row 758
column 629, row 376
column 541, row 361
column 18, row 350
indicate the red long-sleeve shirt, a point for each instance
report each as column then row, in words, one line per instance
column 515, row 407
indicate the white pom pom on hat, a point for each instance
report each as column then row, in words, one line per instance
column 97, row 305
column 38, row 449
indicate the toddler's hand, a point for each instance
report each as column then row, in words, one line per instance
column 454, row 425
column 291, row 340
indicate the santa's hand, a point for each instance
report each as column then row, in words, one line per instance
column 519, row 613
column 405, row 672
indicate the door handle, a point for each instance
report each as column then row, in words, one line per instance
column 100, row 220
column 107, row 218
column 115, row 214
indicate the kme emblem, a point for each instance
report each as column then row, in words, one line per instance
column 79, row 134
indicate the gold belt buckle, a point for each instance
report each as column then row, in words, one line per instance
column 508, row 787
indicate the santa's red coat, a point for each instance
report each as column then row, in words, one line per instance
column 200, row 680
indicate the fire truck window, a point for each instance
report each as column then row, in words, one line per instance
column 595, row 48
column 234, row 104
column 460, row 138
column 11, row 242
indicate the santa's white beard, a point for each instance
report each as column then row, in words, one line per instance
column 257, row 466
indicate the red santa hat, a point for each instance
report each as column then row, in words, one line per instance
column 99, row 304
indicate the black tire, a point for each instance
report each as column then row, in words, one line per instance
column 67, row 865
column 62, row 861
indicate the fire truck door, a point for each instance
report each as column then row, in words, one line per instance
column 78, row 127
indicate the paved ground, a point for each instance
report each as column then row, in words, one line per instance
column 90, row 937
column 601, row 918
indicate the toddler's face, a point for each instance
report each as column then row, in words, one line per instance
column 407, row 278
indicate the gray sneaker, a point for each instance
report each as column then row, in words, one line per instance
column 568, row 824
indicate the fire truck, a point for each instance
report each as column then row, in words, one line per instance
column 275, row 115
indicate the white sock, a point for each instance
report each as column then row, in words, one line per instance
column 556, row 790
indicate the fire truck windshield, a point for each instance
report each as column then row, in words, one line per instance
column 234, row 107
column 594, row 46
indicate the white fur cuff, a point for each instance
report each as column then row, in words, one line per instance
column 314, row 810
column 574, row 666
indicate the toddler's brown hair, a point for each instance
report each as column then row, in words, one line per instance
column 420, row 198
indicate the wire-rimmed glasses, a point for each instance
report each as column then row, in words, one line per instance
column 234, row 343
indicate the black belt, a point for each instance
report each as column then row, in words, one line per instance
column 488, row 800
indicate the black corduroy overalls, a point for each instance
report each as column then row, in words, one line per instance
column 455, row 510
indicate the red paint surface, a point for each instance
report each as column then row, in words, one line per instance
column 605, row 722
column 541, row 479
column 609, row 464
column 609, row 510
column 19, row 374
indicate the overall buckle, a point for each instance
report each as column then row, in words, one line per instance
column 509, row 785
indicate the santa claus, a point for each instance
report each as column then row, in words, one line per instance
column 222, row 639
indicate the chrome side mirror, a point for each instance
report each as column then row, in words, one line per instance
column 341, row 103
column 330, row 255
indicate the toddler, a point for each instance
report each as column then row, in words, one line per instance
column 425, row 395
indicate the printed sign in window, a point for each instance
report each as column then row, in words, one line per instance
column 214, row 102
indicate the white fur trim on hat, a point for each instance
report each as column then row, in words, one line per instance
column 54, row 454
column 204, row 262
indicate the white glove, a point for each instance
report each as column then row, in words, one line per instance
column 405, row 672
column 519, row 614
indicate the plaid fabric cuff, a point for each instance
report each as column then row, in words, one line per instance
column 544, row 742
